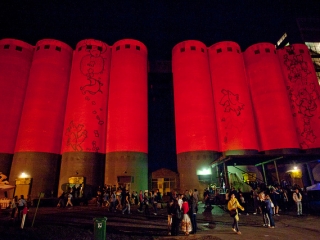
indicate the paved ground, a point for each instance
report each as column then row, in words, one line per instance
column 77, row 223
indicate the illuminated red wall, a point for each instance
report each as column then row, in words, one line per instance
column 270, row 100
column 86, row 112
column 15, row 62
column 128, row 107
column 234, row 113
column 44, row 107
column 304, row 93
column 193, row 101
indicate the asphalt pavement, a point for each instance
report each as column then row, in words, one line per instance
column 78, row 223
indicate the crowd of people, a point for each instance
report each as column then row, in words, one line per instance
column 264, row 200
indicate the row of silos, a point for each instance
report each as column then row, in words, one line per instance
column 241, row 103
column 63, row 111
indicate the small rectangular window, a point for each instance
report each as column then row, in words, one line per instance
column 46, row 46
column 79, row 49
column 229, row 49
column 182, row 49
column 127, row 46
column 38, row 48
column 219, row 50
column 267, row 50
column 117, row 48
column 7, row 46
column 18, row 48
column 89, row 47
column 138, row 48
column 58, row 49
column 193, row 48
column 238, row 51
column 256, row 51
column 202, row 50
column 100, row 48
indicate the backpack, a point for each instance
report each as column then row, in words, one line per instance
column 179, row 213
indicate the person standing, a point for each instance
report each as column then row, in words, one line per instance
column 193, row 209
column 170, row 213
column 297, row 198
column 233, row 206
column 186, row 222
column 21, row 203
column 24, row 214
column 14, row 206
column 175, row 208
column 141, row 200
column 269, row 211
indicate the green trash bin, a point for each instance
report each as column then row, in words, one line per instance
column 100, row 228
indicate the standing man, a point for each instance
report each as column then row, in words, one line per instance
column 297, row 198
column 156, row 199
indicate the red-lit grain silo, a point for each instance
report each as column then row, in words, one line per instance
column 127, row 131
column 84, row 138
column 15, row 62
column 304, row 93
column 270, row 101
column 196, row 133
column 38, row 145
column 234, row 113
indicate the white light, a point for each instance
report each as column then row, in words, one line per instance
column 204, row 171
column 295, row 168
column 23, row 175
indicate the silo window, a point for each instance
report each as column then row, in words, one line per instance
column 138, row 48
column 7, row 46
column 256, row 51
column 238, row 51
column 79, row 49
column 202, row 50
column 89, row 46
column 100, row 48
column 46, row 46
column 117, row 48
column 229, row 49
column 38, row 48
column 58, row 49
column 127, row 46
column 18, row 48
column 267, row 50
column 193, row 48
column 219, row 50
column 182, row 49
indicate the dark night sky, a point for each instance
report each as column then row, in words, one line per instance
column 160, row 25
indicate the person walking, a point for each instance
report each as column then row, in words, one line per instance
column 297, row 198
column 127, row 203
column 69, row 200
column 233, row 206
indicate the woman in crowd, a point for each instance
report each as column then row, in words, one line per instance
column 186, row 222
column 233, row 206
column 175, row 220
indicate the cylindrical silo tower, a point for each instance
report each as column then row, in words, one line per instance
column 304, row 94
column 232, row 100
column 270, row 100
column 127, row 131
column 38, row 145
column 196, row 133
column 15, row 62
column 84, row 138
